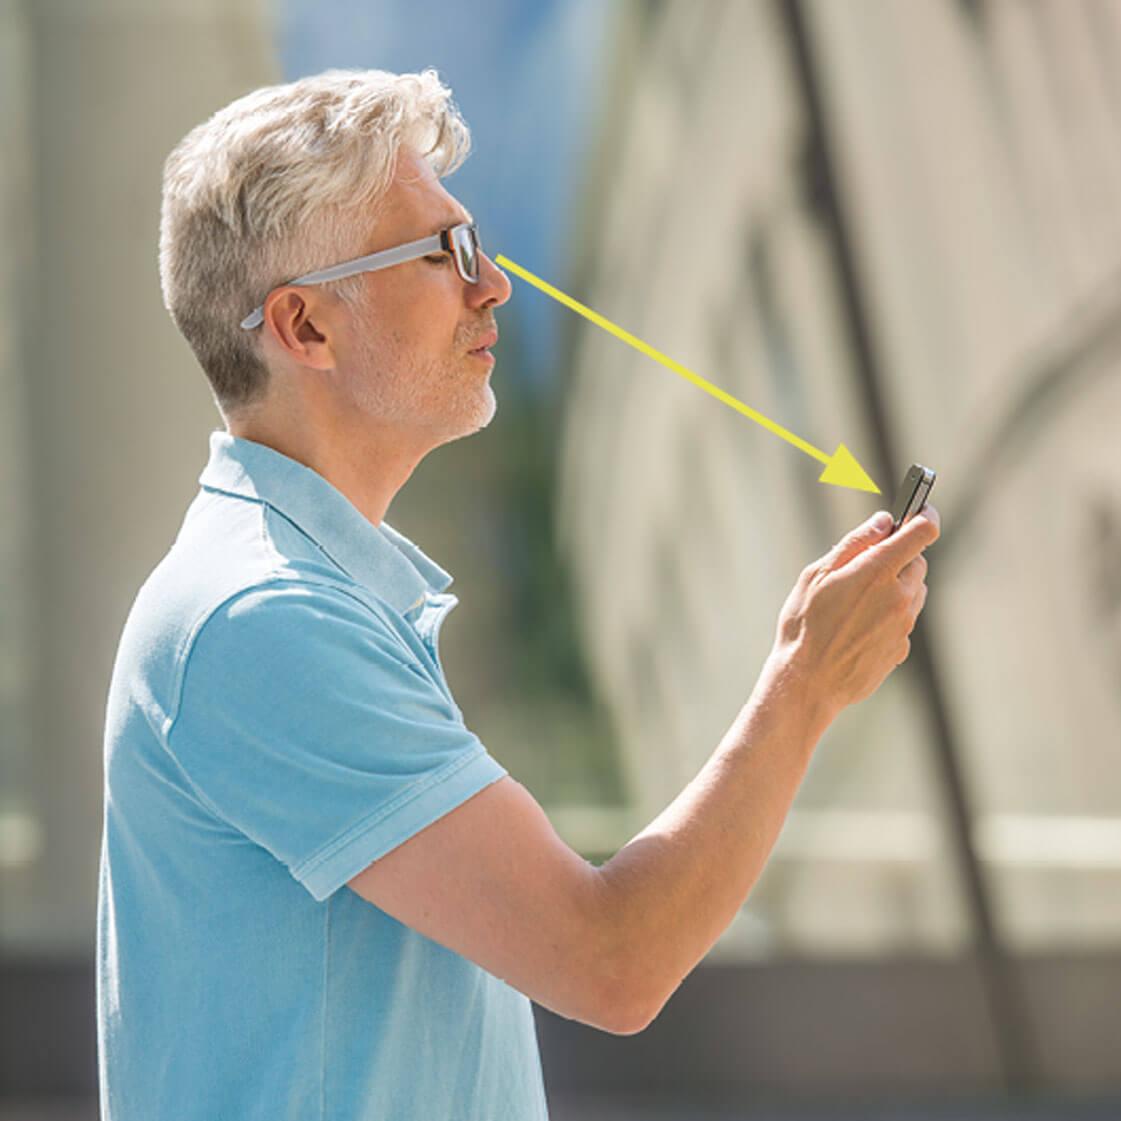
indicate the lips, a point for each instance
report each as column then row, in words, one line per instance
column 485, row 343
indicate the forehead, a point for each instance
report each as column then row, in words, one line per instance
column 417, row 203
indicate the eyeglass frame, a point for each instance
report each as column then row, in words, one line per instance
column 383, row 259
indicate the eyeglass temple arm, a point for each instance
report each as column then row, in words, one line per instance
column 370, row 263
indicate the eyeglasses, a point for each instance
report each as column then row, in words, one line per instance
column 461, row 241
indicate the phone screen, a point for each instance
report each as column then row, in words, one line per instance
column 912, row 494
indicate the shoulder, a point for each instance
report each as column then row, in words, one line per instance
column 300, row 658
column 288, row 611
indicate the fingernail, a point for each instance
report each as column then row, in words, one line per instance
column 883, row 521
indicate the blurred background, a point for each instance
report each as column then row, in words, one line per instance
column 896, row 225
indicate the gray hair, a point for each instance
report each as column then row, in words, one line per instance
column 266, row 190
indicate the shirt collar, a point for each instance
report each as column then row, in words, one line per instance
column 386, row 561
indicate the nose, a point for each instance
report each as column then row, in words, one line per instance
column 493, row 288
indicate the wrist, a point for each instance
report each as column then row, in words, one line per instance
column 787, row 680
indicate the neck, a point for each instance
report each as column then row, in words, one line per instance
column 368, row 466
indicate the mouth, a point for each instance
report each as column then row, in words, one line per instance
column 484, row 346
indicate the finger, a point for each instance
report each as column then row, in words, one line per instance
column 930, row 512
column 915, row 605
column 909, row 540
column 915, row 568
column 919, row 602
column 859, row 540
column 913, row 573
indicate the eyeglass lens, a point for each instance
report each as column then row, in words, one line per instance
column 466, row 253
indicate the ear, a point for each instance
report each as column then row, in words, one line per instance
column 302, row 324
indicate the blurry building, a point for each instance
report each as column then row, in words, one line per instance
column 104, row 420
column 980, row 173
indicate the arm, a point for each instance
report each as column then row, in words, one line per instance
column 492, row 881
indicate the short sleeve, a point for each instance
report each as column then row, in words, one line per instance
column 305, row 722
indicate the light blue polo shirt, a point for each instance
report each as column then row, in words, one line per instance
column 277, row 719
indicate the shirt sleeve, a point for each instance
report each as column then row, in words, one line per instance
column 305, row 722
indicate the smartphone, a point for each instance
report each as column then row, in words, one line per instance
column 911, row 495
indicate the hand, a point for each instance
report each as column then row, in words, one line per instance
column 846, row 623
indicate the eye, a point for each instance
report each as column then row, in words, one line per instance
column 438, row 258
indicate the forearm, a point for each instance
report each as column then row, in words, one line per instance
column 674, row 889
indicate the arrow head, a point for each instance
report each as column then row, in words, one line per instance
column 843, row 471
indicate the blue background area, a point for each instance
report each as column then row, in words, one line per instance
column 526, row 77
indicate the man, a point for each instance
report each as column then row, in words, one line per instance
column 320, row 896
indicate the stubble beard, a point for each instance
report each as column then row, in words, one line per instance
column 449, row 398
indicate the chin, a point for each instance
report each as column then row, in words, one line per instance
column 492, row 406
column 485, row 414
column 472, row 418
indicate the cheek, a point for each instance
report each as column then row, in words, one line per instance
column 436, row 328
column 424, row 315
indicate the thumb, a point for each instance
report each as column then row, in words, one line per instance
column 867, row 534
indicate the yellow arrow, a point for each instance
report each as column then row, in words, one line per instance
column 841, row 468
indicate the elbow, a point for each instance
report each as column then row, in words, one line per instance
column 630, row 1027
column 627, row 1001
column 615, row 1022
column 624, row 1010
column 633, row 1022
